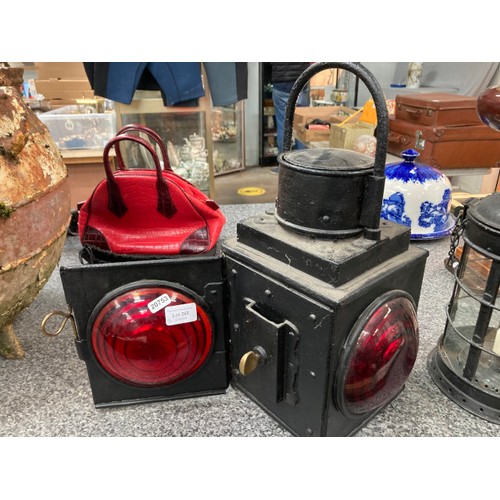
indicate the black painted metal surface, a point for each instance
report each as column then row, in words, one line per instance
column 86, row 285
column 275, row 305
column 334, row 261
column 347, row 185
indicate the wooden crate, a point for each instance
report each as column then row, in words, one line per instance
column 344, row 135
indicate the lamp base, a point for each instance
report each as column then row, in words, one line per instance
column 469, row 396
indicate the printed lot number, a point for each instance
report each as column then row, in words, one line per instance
column 183, row 313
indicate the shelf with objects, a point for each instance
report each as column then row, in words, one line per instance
column 186, row 131
column 268, row 137
column 228, row 138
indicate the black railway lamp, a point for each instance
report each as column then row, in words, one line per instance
column 323, row 296
column 150, row 330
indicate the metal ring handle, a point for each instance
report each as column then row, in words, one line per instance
column 67, row 316
column 375, row 90
column 374, row 186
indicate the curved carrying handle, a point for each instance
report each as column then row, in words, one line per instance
column 413, row 113
column 374, row 188
column 115, row 202
column 136, row 127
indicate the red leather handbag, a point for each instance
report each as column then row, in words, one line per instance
column 144, row 213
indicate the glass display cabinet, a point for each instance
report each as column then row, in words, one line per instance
column 228, row 138
column 186, row 131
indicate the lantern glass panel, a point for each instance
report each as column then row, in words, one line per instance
column 470, row 303
column 474, row 271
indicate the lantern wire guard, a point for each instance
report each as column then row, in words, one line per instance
column 465, row 365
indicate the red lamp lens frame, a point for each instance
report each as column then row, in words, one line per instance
column 185, row 362
column 393, row 353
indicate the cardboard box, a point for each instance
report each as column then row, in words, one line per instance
column 330, row 114
column 345, row 136
column 306, row 135
column 334, row 114
column 64, row 89
column 60, row 71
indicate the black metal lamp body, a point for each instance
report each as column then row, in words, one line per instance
column 323, row 299
column 465, row 365
column 302, row 326
column 119, row 336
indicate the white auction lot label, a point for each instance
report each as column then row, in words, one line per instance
column 159, row 303
column 183, row 313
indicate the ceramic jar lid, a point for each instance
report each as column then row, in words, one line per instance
column 418, row 196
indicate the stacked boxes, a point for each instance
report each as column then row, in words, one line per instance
column 305, row 115
column 62, row 83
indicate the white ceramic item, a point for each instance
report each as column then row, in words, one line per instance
column 418, row 196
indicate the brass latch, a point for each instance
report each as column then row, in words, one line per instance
column 250, row 360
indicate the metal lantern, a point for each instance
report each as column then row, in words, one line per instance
column 465, row 365
column 322, row 293
column 149, row 330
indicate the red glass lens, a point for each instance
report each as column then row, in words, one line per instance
column 382, row 357
column 137, row 347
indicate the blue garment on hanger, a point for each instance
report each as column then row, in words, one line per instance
column 227, row 81
column 178, row 81
column 118, row 81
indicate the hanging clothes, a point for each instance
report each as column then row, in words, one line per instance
column 118, row 81
column 227, row 81
column 179, row 82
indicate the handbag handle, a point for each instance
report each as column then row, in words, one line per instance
column 136, row 127
column 115, row 200
column 374, row 190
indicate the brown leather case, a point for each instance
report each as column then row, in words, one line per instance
column 469, row 146
column 438, row 109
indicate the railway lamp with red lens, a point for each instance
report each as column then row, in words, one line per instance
column 322, row 293
column 150, row 330
column 322, row 354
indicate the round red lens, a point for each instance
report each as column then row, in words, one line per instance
column 138, row 347
column 383, row 350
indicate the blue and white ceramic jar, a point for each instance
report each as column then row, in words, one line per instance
column 418, row 196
